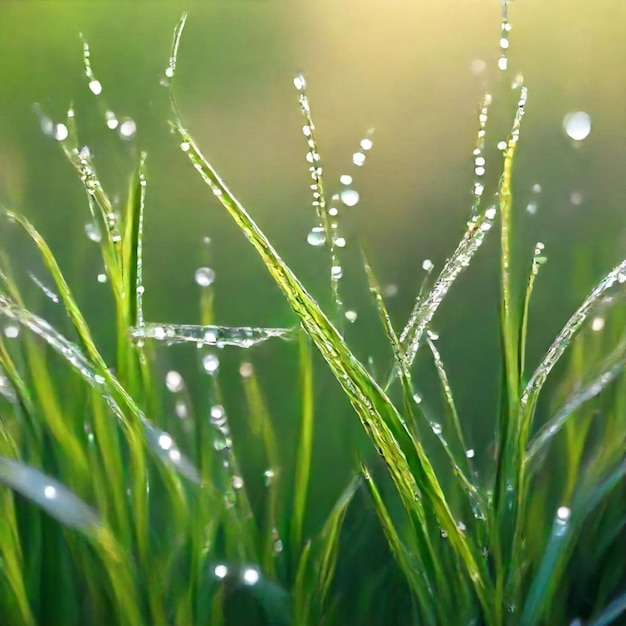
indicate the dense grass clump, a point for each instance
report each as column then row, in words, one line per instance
column 113, row 513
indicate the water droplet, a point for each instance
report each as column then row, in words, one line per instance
column 597, row 324
column 165, row 441
column 480, row 160
column 111, row 120
column 204, row 276
column 478, row 66
column 349, row 197
column 184, row 146
column 390, row 291
column 576, row 197
column 366, row 144
column 351, row 316
column 316, row 237
column 490, row 213
column 417, row 398
column 93, row 232
column 246, row 370
column 503, row 63
column 436, row 428
column 278, row 546
column 501, row 145
column 577, row 125
column 358, row 158
column 504, row 43
column 250, row 576
column 531, row 207
column 210, row 363
column 181, row 409
column 299, row 83
column 174, row 381
column 479, row 171
column 175, row 455
column 95, row 87
column 127, row 129
column 333, row 211
column 269, row 477
column 427, row 265
column 336, row 272
column 345, row 179
column 470, row 453
column 101, row 278
column 563, row 513
column 50, row 492
column 237, row 482
column 60, row 132
column 340, row 242
column 220, row 571
column 11, row 331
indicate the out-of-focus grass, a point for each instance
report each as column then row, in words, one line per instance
column 114, row 513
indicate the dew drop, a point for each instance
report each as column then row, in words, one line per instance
column 576, row 197
column 95, row 86
column 165, row 441
column 204, row 276
column 60, row 132
column 111, row 120
column 127, row 129
column 351, row 316
column 210, row 363
column 358, row 158
column 436, row 428
column 237, row 482
column 427, row 265
column 246, row 370
column 93, row 232
column 597, row 324
column 490, row 213
column 504, row 43
column 470, row 453
column 250, row 576
column 11, row 331
column 220, row 571
column 269, row 475
column 181, row 410
column 174, row 455
column 349, row 197
column 299, row 83
column 577, row 125
column 316, row 237
column 390, row 291
column 174, row 381
column 336, row 272
column 101, row 278
column 366, row 144
column 501, row 145
column 50, row 492
column 479, row 171
column 417, row 398
column 563, row 513
column 345, row 179
column 340, row 242
column 184, row 146
column 531, row 207
column 503, row 63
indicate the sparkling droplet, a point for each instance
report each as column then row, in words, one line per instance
column 366, row 144
column 11, row 331
column 503, row 63
column 127, row 129
column 390, row 291
column 269, row 477
column 95, row 87
column 501, row 145
column 93, row 232
column 101, row 278
column 417, row 398
column 470, row 453
column 246, row 370
column 204, row 276
column 358, row 158
column 316, row 237
column 427, row 265
column 60, row 132
column 345, row 179
column 210, row 363
column 299, row 83
column 250, row 576
column 351, row 316
column 436, row 428
column 531, row 207
column 174, row 381
column 50, row 492
column 349, row 197
column 165, row 441
column 111, row 120
column 220, row 571
column 340, row 242
column 237, row 482
column 597, row 324
column 181, row 409
column 336, row 272
column 563, row 513
column 577, row 125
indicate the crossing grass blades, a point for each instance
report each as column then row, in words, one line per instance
column 112, row 513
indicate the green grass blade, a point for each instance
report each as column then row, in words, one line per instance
column 611, row 613
column 305, row 445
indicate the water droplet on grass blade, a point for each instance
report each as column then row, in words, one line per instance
column 204, row 276
column 127, row 129
column 351, row 316
column 345, row 179
column 11, row 331
column 93, row 232
column 358, row 158
column 61, row 133
column 597, row 324
column 350, row 197
column 577, row 125
column 95, row 86
column 220, row 571
column 210, row 363
column 316, row 237
column 250, row 576
column 174, row 381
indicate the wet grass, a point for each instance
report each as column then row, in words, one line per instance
column 115, row 513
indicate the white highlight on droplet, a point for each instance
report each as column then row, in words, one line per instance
column 127, row 129
column 250, row 576
column 50, row 492
column 350, row 197
column 345, row 179
column 95, row 86
column 60, row 132
column 563, row 513
column 165, row 441
column 220, row 571
column 597, row 324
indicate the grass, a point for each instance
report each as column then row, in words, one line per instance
column 113, row 513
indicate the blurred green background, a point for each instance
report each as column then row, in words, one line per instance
column 413, row 71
